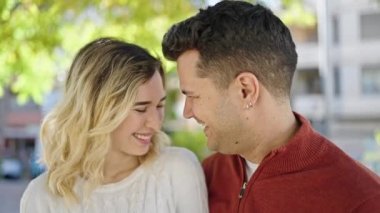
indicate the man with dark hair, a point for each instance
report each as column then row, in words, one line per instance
column 235, row 63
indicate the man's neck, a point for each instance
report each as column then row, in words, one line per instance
column 276, row 133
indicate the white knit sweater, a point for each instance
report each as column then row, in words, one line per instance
column 173, row 183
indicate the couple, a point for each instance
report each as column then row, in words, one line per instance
column 105, row 152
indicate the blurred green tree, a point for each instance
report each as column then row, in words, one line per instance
column 40, row 37
column 295, row 13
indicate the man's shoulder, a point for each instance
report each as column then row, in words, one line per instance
column 216, row 159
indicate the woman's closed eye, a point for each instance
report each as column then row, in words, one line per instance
column 141, row 110
column 144, row 109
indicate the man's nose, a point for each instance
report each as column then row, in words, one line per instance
column 188, row 109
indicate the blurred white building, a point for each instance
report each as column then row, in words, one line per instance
column 350, row 113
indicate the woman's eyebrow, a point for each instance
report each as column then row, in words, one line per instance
column 147, row 102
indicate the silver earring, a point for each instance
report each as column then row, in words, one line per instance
column 249, row 105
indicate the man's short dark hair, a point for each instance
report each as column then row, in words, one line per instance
column 234, row 37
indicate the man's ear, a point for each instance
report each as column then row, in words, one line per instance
column 249, row 88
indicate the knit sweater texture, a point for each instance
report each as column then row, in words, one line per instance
column 308, row 174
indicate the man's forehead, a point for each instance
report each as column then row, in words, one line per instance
column 194, row 85
column 188, row 78
column 188, row 61
column 186, row 86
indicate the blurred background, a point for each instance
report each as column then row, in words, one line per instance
column 337, row 83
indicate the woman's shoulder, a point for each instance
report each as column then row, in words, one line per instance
column 37, row 185
column 178, row 154
column 179, row 159
column 35, row 192
column 182, row 166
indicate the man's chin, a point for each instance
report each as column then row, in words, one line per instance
column 214, row 147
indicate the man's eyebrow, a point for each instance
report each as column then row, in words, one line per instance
column 147, row 102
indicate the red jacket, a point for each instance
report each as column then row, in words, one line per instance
column 308, row 174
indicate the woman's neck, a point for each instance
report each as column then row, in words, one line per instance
column 118, row 166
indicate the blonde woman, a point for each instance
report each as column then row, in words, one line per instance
column 103, row 147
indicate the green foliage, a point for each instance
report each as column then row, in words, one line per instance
column 195, row 141
column 295, row 14
column 28, row 38
column 40, row 37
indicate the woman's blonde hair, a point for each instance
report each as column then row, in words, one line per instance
column 100, row 90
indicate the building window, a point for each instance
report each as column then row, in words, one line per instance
column 369, row 26
column 307, row 82
column 335, row 29
column 370, row 81
column 337, row 89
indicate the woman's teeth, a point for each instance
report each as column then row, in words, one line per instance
column 143, row 137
